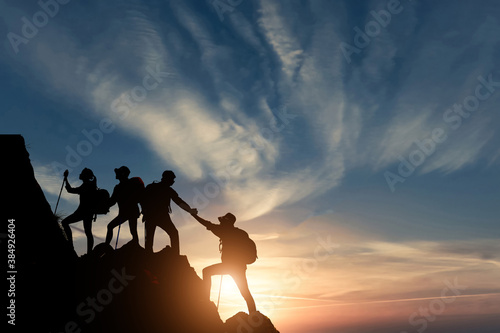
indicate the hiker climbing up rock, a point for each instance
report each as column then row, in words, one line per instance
column 156, row 210
column 237, row 250
column 127, row 194
column 84, row 212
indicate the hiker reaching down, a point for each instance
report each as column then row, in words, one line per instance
column 156, row 210
column 237, row 250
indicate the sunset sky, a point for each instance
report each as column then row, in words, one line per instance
column 356, row 141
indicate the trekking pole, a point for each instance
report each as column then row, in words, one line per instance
column 117, row 236
column 62, row 185
column 220, row 288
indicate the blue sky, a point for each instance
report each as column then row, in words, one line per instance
column 260, row 110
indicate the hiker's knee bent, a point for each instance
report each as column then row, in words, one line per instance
column 65, row 224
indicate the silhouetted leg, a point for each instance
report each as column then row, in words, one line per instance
column 172, row 231
column 67, row 230
column 87, row 226
column 240, row 278
column 208, row 272
column 111, row 225
column 149, row 230
column 132, row 223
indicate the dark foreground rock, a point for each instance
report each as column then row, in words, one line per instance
column 128, row 290
column 244, row 323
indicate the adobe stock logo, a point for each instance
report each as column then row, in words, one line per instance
column 121, row 107
column 250, row 144
column 225, row 6
column 427, row 314
column 40, row 19
column 373, row 28
column 453, row 117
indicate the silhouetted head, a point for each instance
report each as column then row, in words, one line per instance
column 86, row 175
column 168, row 177
column 228, row 219
column 122, row 172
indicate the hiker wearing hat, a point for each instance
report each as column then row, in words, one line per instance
column 126, row 193
column 156, row 210
column 84, row 211
column 237, row 250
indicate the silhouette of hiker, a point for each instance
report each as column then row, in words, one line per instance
column 84, row 211
column 232, row 263
column 125, row 194
column 156, row 210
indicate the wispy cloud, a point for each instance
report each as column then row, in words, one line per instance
column 217, row 99
column 190, row 132
column 278, row 34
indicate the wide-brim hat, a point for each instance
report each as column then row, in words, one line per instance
column 228, row 217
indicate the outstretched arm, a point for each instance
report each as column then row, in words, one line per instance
column 181, row 203
column 205, row 223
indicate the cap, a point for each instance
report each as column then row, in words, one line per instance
column 228, row 217
column 168, row 174
column 123, row 170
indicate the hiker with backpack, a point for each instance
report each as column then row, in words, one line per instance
column 156, row 210
column 84, row 212
column 237, row 250
column 126, row 194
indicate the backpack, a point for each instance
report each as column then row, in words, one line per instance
column 242, row 248
column 136, row 188
column 153, row 200
column 100, row 203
